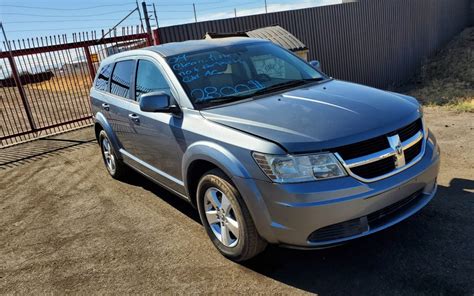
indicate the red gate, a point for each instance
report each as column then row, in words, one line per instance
column 45, row 82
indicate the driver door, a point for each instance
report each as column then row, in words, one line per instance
column 156, row 135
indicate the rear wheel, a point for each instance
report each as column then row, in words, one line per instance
column 116, row 168
column 226, row 218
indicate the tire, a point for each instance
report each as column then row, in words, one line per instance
column 116, row 168
column 238, row 244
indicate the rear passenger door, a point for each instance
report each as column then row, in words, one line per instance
column 119, row 101
column 99, row 93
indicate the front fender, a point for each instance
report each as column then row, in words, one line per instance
column 216, row 154
column 234, row 169
column 101, row 120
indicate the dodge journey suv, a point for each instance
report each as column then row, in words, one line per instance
column 267, row 147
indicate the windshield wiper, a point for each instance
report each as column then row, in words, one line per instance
column 284, row 85
column 222, row 100
column 314, row 79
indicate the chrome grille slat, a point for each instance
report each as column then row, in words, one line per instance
column 413, row 140
column 369, row 158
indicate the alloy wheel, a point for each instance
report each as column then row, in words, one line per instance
column 108, row 155
column 221, row 217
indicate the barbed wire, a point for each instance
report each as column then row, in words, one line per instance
column 84, row 15
column 66, row 9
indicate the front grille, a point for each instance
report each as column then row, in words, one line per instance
column 365, row 223
column 374, row 168
column 408, row 131
column 340, row 230
column 362, row 148
column 412, row 152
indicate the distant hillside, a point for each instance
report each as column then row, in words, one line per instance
column 448, row 78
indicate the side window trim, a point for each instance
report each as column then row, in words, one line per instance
column 133, row 98
column 109, row 84
column 134, row 82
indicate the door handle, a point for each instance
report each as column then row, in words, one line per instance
column 106, row 107
column 134, row 117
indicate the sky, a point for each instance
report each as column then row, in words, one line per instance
column 34, row 18
column 24, row 19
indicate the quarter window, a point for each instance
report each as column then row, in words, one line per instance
column 122, row 78
column 102, row 80
column 149, row 79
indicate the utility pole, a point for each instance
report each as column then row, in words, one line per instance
column 266, row 7
column 147, row 22
column 235, row 12
column 195, row 17
column 140, row 16
column 156, row 17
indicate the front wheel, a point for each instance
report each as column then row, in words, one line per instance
column 226, row 218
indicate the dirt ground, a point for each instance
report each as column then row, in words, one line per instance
column 67, row 227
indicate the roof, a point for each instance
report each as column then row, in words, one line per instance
column 175, row 48
column 275, row 34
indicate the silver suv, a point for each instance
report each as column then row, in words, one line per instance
column 266, row 147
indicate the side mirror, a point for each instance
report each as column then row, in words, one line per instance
column 158, row 101
column 315, row 64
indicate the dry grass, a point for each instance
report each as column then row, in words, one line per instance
column 448, row 78
column 79, row 81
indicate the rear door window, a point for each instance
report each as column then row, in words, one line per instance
column 122, row 79
column 102, row 81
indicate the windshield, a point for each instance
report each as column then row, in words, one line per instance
column 224, row 74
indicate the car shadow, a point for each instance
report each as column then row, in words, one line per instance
column 136, row 179
column 430, row 253
column 28, row 152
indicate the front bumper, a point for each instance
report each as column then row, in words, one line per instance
column 291, row 214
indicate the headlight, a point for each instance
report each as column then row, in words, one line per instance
column 423, row 121
column 299, row 168
column 420, row 110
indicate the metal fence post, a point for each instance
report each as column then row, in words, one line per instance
column 89, row 62
column 17, row 79
column 156, row 36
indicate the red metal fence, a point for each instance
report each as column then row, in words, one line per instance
column 45, row 82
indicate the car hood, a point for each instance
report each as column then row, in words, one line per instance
column 318, row 117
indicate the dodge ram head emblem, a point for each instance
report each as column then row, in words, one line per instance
column 399, row 149
column 396, row 145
